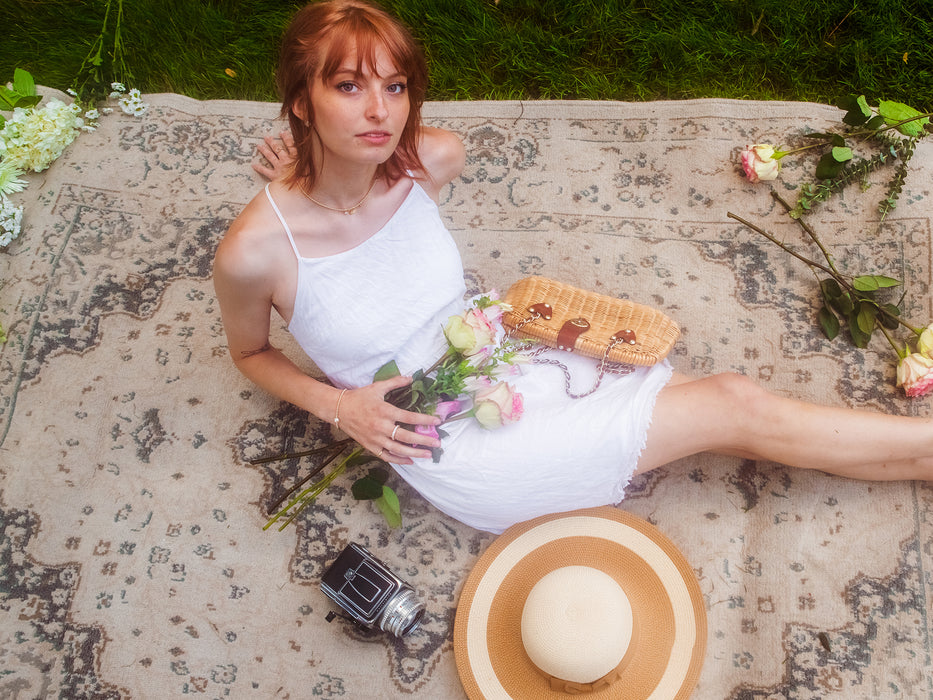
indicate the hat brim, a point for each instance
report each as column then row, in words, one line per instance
column 666, row 655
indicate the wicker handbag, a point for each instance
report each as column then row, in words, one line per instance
column 614, row 331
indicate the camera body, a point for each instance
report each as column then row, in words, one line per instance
column 370, row 593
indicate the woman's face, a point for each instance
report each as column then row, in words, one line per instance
column 359, row 117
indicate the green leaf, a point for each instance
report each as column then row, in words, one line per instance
column 829, row 323
column 866, row 318
column 875, row 122
column 889, row 316
column 847, row 103
column 387, row 371
column 872, row 283
column 841, row 154
column 859, row 338
column 366, row 489
column 894, row 112
column 7, row 98
column 843, row 304
column 835, row 298
column 390, row 507
column 23, row 83
column 830, row 288
column 857, row 108
column 828, row 167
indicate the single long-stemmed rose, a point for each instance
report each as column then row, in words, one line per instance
column 838, row 166
column 853, row 299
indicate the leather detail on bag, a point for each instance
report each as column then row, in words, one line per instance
column 542, row 309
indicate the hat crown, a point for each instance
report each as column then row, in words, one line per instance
column 577, row 624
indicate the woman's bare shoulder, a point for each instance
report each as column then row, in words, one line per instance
column 250, row 248
column 442, row 154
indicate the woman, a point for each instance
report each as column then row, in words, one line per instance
column 349, row 249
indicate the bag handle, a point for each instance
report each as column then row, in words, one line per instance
column 566, row 340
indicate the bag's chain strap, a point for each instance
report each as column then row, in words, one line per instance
column 606, row 366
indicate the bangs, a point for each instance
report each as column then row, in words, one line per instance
column 362, row 38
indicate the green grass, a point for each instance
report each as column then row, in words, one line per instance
column 817, row 50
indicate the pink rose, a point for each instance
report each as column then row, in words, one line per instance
column 495, row 308
column 759, row 162
column 474, row 385
column 445, row 409
column 428, row 430
column 915, row 374
column 470, row 332
column 497, row 405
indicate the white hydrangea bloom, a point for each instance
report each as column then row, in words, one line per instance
column 32, row 138
column 11, row 219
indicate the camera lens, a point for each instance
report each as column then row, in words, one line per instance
column 402, row 614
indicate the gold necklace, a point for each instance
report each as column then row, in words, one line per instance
column 349, row 210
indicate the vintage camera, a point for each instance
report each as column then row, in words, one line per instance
column 372, row 595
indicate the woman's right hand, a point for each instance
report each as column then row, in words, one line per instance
column 375, row 424
column 279, row 153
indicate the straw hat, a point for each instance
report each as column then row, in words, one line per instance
column 602, row 601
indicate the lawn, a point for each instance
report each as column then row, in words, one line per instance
column 512, row 49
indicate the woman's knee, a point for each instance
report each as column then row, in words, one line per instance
column 714, row 413
column 742, row 404
column 739, row 389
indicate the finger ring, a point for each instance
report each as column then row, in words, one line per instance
column 394, row 431
column 381, row 451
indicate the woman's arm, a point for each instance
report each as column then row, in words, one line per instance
column 244, row 281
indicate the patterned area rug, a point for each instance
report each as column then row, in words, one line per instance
column 133, row 563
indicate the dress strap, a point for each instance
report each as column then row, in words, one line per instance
column 288, row 231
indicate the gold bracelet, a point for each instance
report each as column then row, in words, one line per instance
column 337, row 410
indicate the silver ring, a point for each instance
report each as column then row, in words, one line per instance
column 394, row 431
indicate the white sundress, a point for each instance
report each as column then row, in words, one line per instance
column 388, row 298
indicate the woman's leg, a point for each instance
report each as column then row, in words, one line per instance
column 730, row 414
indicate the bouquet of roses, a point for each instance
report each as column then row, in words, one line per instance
column 465, row 382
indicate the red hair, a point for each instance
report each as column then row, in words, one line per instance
column 319, row 38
